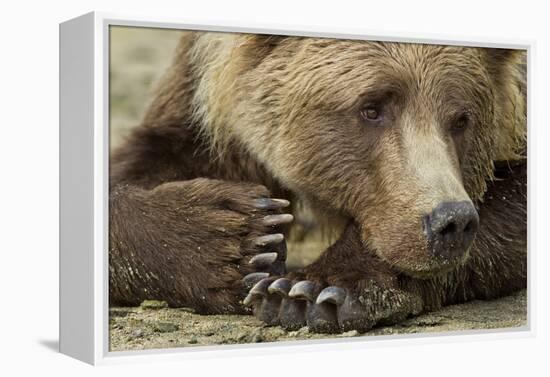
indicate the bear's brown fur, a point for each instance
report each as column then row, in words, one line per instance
column 240, row 118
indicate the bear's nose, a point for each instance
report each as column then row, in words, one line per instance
column 451, row 228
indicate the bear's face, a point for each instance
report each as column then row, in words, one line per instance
column 399, row 136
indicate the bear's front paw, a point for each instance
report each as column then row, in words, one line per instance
column 197, row 240
column 327, row 308
column 233, row 226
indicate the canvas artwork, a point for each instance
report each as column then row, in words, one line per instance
column 267, row 188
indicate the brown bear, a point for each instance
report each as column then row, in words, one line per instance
column 419, row 150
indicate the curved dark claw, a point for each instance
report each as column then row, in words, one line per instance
column 249, row 300
column 303, row 290
column 269, row 239
column 330, row 310
column 253, row 278
column 333, row 295
column 263, row 260
column 271, row 249
column 295, row 306
column 280, row 248
column 280, row 286
column 269, row 203
column 273, row 220
column 264, row 305
column 274, row 256
column 353, row 316
column 260, row 288
column 266, row 255
column 268, row 310
column 258, row 291
column 322, row 318
column 292, row 315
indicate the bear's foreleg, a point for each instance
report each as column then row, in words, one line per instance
column 195, row 243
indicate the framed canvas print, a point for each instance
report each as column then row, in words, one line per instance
column 227, row 187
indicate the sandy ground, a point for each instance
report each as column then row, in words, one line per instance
column 139, row 57
column 145, row 328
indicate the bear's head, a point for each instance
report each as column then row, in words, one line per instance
column 401, row 137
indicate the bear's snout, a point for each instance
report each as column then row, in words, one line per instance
column 451, row 229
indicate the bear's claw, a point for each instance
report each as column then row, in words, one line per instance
column 304, row 303
column 264, row 259
column 332, row 294
column 269, row 239
column 304, row 290
column 280, row 286
column 328, row 309
column 269, row 249
column 251, row 279
column 274, row 220
column 269, row 203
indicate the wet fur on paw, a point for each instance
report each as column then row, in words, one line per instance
column 198, row 239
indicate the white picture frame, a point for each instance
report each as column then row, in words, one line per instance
column 84, row 155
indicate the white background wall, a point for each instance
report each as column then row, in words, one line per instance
column 29, row 183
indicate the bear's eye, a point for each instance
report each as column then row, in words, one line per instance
column 461, row 122
column 371, row 113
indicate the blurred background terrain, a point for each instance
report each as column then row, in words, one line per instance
column 138, row 58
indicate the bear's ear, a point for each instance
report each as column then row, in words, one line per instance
column 498, row 59
column 254, row 48
column 508, row 71
column 500, row 54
